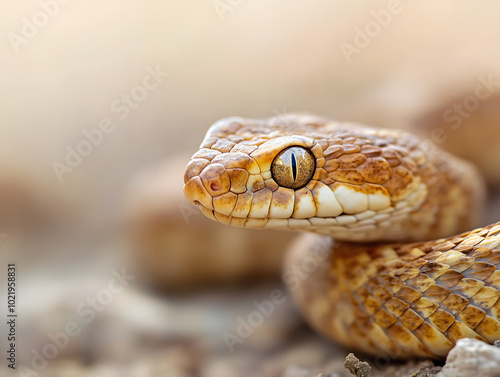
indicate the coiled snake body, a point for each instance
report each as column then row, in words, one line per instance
column 364, row 191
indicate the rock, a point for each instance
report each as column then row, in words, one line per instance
column 356, row 367
column 471, row 357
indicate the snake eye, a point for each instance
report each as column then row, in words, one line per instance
column 293, row 167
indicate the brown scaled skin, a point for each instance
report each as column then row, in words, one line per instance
column 404, row 300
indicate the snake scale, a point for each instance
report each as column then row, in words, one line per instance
column 374, row 197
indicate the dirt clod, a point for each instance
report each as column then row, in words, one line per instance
column 428, row 372
column 356, row 367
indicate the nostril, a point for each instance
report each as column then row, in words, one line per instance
column 215, row 179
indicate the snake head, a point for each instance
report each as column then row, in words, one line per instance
column 299, row 172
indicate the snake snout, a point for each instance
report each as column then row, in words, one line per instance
column 212, row 181
column 195, row 192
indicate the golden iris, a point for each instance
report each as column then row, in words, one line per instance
column 293, row 167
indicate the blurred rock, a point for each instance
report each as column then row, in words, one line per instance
column 28, row 207
column 471, row 357
column 466, row 126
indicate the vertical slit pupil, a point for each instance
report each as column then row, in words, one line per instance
column 294, row 167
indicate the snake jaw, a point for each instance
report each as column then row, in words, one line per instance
column 367, row 185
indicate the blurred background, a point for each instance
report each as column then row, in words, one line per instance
column 101, row 106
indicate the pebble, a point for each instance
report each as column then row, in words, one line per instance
column 471, row 357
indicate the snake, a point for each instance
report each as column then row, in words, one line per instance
column 404, row 275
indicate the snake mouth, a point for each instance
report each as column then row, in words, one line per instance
column 246, row 222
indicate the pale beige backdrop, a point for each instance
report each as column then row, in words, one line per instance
column 262, row 58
